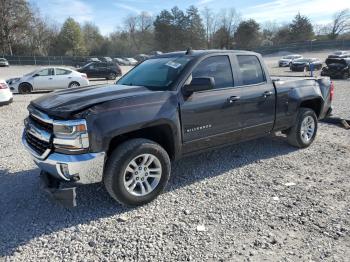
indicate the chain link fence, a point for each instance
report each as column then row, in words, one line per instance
column 306, row 46
column 79, row 61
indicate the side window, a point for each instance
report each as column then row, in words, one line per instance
column 101, row 65
column 60, row 71
column 251, row 70
column 218, row 67
column 46, row 72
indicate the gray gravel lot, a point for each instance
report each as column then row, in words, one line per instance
column 259, row 200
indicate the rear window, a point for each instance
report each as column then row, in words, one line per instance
column 61, row 71
column 250, row 69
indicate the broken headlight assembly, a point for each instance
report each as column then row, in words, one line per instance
column 71, row 136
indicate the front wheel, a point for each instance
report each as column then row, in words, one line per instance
column 136, row 172
column 24, row 88
column 303, row 133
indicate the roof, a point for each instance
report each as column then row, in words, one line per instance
column 198, row 53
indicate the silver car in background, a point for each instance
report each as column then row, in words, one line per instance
column 48, row 78
column 4, row 62
column 288, row 60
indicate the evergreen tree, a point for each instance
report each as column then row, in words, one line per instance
column 195, row 31
column 301, row 29
column 70, row 39
column 248, row 35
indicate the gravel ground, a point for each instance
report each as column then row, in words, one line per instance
column 259, row 200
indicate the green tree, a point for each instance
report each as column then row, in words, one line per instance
column 92, row 38
column 301, row 29
column 70, row 39
column 248, row 35
column 282, row 36
column 195, row 30
column 163, row 30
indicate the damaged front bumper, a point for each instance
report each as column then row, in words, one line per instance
column 60, row 170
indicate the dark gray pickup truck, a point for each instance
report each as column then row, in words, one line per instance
column 126, row 135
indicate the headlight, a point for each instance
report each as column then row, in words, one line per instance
column 70, row 136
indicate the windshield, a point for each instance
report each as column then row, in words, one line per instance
column 88, row 64
column 303, row 60
column 157, row 73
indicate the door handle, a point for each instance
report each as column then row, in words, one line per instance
column 233, row 99
column 267, row 93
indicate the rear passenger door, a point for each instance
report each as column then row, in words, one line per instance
column 257, row 96
column 102, row 70
column 62, row 78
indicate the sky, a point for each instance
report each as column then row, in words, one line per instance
column 109, row 14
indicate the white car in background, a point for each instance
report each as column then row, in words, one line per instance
column 5, row 93
column 49, row 78
column 132, row 61
column 288, row 60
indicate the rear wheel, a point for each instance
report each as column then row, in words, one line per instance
column 112, row 76
column 137, row 172
column 73, row 84
column 25, row 88
column 303, row 133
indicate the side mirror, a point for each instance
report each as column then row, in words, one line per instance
column 35, row 75
column 199, row 84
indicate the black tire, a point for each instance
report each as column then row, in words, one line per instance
column 294, row 134
column 25, row 88
column 118, row 162
column 73, row 84
column 112, row 76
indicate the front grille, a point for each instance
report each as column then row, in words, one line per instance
column 43, row 125
column 36, row 144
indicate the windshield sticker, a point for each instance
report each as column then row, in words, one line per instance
column 173, row 64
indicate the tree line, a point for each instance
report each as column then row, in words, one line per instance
column 24, row 31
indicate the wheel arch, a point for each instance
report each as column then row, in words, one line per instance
column 161, row 134
column 315, row 104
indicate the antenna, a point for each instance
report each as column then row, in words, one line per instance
column 189, row 51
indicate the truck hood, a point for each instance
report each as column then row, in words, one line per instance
column 65, row 103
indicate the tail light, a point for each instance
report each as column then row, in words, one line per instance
column 332, row 91
column 3, row 86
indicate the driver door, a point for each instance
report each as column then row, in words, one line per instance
column 211, row 117
column 44, row 79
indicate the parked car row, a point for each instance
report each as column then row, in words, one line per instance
column 337, row 64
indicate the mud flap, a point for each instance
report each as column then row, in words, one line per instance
column 64, row 196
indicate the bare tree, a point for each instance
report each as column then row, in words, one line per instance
column 340, row 24
column 209, row 24
column 229, row 19
column 14, row 17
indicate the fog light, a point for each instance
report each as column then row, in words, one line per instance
column 64, row 170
